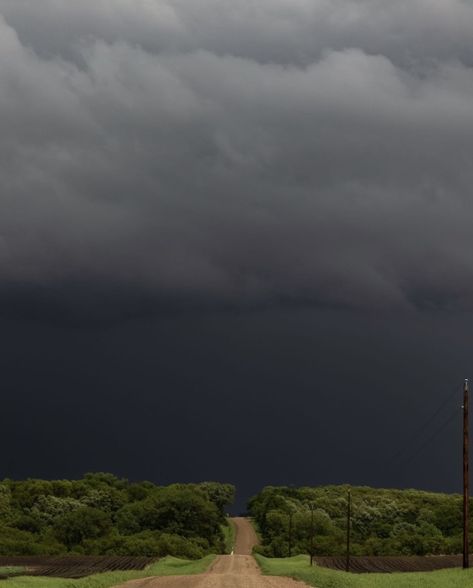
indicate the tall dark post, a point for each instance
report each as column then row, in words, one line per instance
column 311, row 533
column 347, row 566
column 466, row 477
column 290, row 534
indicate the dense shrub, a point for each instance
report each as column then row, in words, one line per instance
column 74, row 527
column 17, row 542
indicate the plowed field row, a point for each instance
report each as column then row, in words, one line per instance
column 74, row 566
column 392, row 564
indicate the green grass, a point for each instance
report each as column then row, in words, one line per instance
column 10, row 570
column 229, row 532
column 299, row 568
column 168, row 566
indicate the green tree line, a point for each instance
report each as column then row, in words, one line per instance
column 384, row 522
column 101, row 514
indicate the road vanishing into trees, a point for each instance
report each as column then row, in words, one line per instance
column 239, row 570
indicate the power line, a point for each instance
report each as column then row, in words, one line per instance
column 425, row 425
column 436, row 433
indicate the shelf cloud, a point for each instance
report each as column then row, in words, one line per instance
column 165, row 155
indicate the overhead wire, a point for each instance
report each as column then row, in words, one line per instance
column 422, row 428
column 410, row 458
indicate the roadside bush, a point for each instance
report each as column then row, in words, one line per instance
column 146, row 543
column 17, row 542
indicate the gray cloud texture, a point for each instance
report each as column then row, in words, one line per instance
column 238, row 152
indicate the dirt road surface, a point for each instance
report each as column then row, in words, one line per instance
column 245, row 538
column 228, row 571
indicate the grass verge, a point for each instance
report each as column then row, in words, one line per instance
column 299, row 568
column 11, row 570
column 168, row 566
column 229, row 533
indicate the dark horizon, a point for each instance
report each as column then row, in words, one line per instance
column 152, row 419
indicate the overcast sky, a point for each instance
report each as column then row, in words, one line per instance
column 235, row 236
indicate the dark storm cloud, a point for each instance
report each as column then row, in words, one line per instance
column 236, row 153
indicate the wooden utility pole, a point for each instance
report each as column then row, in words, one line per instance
column 290, row 534
column 347, row 564
column 466, row 477
column 311, row 534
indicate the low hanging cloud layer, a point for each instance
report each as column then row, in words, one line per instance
column 179, row 154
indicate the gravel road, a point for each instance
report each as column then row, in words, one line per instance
column 245, row 538
column 227, row 571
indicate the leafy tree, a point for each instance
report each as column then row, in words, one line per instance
column 183, row 512
column 49, row 508
column 219, row 494
column 104, row 514
column 85, row 523
column 384, row 522
column 6, row 512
